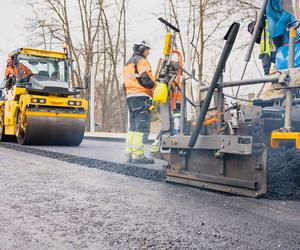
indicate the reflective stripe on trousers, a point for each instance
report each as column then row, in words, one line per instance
column 129, row 142
column 138, row 145
column 134, row 144
column 139, row 125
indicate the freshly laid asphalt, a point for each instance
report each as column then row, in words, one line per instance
column 103, row 155
column 112, row 151
column 283, row 170
column 49, row 203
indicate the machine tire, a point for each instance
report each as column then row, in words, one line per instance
column 20, row 133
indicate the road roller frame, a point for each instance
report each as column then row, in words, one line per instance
column 44, row 116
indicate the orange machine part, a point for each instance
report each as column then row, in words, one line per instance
column 175, row 96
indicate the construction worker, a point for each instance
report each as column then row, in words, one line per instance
column 9, row 73
column 139, row 84
column 12, row 70
column 9, row 70
column 267, row 49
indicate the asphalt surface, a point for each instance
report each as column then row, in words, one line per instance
column 52, row 204
column 283, row 170
column 283, row 175
column 86, row 155
column 112, row 151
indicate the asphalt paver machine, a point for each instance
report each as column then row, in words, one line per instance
column 230, row 154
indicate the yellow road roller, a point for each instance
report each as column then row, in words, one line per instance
column 38, row 106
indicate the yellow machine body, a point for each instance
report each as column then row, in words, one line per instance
column 278, row 136
column 13, row 107
column 42, row 53
column 167, row 45
column 36, row 116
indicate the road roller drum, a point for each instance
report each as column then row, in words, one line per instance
column 43, row 130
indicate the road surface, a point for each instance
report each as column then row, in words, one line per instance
column 52, row 204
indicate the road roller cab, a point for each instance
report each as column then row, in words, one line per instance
column 38, row 106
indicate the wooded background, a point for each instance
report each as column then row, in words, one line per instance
column 96, row 33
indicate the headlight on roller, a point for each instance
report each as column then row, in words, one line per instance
column 74, row 103
column 38, row 100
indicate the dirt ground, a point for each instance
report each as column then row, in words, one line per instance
column 50, row 204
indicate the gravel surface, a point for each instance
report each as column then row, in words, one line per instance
column 51, row 204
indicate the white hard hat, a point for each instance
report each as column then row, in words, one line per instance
column 145, row 43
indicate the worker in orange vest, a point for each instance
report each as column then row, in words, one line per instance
column 9, row 70
column 12, row 70
column 139, row 84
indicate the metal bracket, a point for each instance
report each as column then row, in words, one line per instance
column 230, row 144
column 288, row 79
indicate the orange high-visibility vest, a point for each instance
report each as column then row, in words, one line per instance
column 132, row 72
column 12, row 70
column 9, row 71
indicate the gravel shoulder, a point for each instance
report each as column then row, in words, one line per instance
column 51, row 204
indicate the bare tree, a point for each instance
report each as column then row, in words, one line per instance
column 96, row 33
column 205, row 24
column 114, row 52
column 95, row 40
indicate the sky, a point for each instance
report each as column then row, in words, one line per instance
column 142, row 25
column 13, row 34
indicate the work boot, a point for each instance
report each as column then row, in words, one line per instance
column 142, row 160
column 155, row 146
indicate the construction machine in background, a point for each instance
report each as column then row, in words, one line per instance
column 230, row 153
column 39, row 107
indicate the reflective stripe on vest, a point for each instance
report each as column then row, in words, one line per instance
column 266, row 44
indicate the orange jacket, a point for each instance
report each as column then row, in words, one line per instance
column 12, row 70
column 175, row 93
column 24, row 71
column 138, row 78
column 9, row 71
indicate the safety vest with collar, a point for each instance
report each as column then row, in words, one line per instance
column 9, row 71
column 12, row 70
column 138, row 78
column 266, row 44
